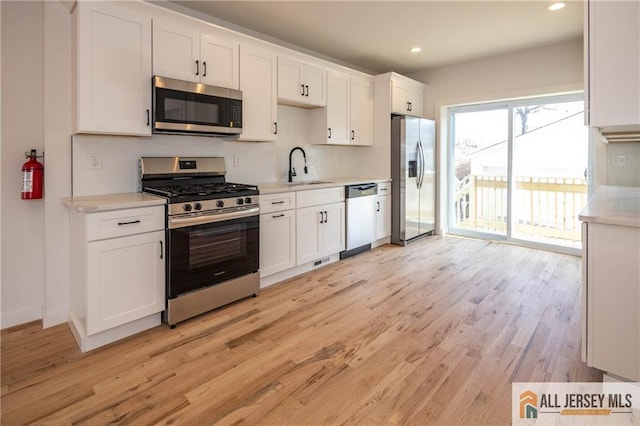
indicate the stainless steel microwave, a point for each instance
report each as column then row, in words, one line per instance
column 184, row 107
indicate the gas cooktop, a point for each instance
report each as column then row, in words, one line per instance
column 181, row 179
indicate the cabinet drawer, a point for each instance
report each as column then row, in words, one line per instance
column 384, row 188
column 316, row 197
column 118, row 223
column 277, row 202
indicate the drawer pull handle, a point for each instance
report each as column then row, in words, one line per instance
column 161, row 250
column 128, row 223
column 278, row 215
column 277, row 202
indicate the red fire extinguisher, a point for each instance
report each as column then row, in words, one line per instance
column 32, row 177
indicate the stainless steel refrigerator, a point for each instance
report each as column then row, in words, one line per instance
column 413, row 178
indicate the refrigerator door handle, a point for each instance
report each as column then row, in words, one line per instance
column 420, row 165
column 424, row 164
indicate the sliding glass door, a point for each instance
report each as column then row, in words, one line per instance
column 517, row 170
column 480, row 169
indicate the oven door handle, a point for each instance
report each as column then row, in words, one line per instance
column 181, row 222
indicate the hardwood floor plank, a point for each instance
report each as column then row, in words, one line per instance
column 431, row 333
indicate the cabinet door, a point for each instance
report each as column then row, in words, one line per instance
column 415, row 97
column 175, row 51
column 220, row 62
column 308, row 234
column 258, row 83
column 126, row 280
column 614, row 63
column 277, row 242
column 333, row 229
column 613, row 295
column 399, row 98
column 315, row 85
column 113, row 69
column 383, row 218
column 361, row 107
column 338, row 131
column 290, row 80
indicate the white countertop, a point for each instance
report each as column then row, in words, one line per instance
column 613, row 205
column 96, row 203
column 273, row 188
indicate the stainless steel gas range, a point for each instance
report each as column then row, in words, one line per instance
column 212, row 233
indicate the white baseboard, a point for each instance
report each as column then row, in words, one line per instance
column 88, row 343
column 10, row 319
column 298, row 270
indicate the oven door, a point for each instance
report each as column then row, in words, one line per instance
column 184, row 107
column 207, row 254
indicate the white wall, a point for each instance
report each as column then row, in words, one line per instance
column 555, row 68
column 545, row 70
column 23, row 243
column 57, row 128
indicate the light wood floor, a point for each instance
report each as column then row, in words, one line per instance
column 433, row 333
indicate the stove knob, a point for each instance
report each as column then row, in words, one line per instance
column 240, row 201
column 198, row 206
column 186, row 207
column 247, row 200
column 219, row 203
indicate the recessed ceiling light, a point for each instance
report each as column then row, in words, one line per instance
column 415, row 50
column 557, row 6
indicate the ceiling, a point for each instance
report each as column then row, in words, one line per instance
column 376, row 36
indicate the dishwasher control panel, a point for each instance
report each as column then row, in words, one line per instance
column 361, row 190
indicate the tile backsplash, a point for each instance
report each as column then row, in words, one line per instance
column 246, row 162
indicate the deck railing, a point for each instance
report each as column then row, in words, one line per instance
column 543, row 208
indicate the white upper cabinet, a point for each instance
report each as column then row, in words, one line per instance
column 258, row 83
column 220, row 62
column 347, row 118
column 612, row 56
column 406, row 98
column 301, row 84
column 337, row 111
column 361, row 111
column 112, row 69
column 185, row 53
column 175, row 51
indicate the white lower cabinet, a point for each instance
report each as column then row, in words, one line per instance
column 611, row 296
column 125, row 280
column 277, row 233
column 117, row 273
column 383, row 210
column 320, row 224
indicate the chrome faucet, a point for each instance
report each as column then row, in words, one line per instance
column 292, row 170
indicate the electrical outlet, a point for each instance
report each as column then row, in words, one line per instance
column 236, row 161
column 621, row 160
column 95, row 162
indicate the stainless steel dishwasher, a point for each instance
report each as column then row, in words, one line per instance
column 360, row 218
